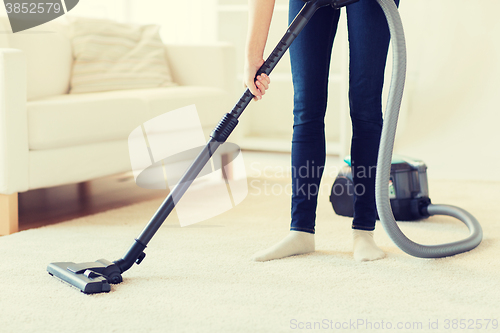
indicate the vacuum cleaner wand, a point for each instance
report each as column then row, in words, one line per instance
column 95, row 277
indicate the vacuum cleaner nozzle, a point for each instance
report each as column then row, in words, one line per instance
column 89, row 277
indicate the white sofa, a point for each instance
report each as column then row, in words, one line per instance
column 49, row 137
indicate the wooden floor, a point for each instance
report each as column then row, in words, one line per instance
column 57, row 204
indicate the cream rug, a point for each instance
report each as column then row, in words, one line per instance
column 200, row 278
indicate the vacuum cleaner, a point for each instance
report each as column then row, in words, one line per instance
column 408, row 190
column 96, row 277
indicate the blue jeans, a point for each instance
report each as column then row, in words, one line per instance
column 310, row 58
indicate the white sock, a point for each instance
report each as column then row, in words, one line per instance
column 297, row 242
column 365, row 248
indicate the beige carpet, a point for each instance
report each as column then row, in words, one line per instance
column 200, row 278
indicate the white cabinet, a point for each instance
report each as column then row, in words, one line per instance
column 267, row 124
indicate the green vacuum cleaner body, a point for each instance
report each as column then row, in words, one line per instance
column 408, row 190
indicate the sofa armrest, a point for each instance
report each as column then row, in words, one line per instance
column 14, row 158
column 211, row 65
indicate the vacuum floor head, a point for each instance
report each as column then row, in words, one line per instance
column 89, row 277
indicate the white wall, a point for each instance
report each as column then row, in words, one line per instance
column 454, row 87
column 181, row 21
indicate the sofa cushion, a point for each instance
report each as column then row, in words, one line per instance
column 48, row 57
column 69, row 120
column 116, row 56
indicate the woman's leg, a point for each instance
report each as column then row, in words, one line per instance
column 310, row 58
column 368, row 44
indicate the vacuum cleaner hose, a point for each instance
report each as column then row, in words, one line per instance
column 385, row 156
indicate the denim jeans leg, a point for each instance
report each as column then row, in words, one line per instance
column 310, row 59
column 368, row 44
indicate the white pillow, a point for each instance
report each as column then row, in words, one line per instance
column 115, row 56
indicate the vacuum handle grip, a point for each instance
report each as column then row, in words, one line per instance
column 268, row 66
column 272, row 60
column 278, row 52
